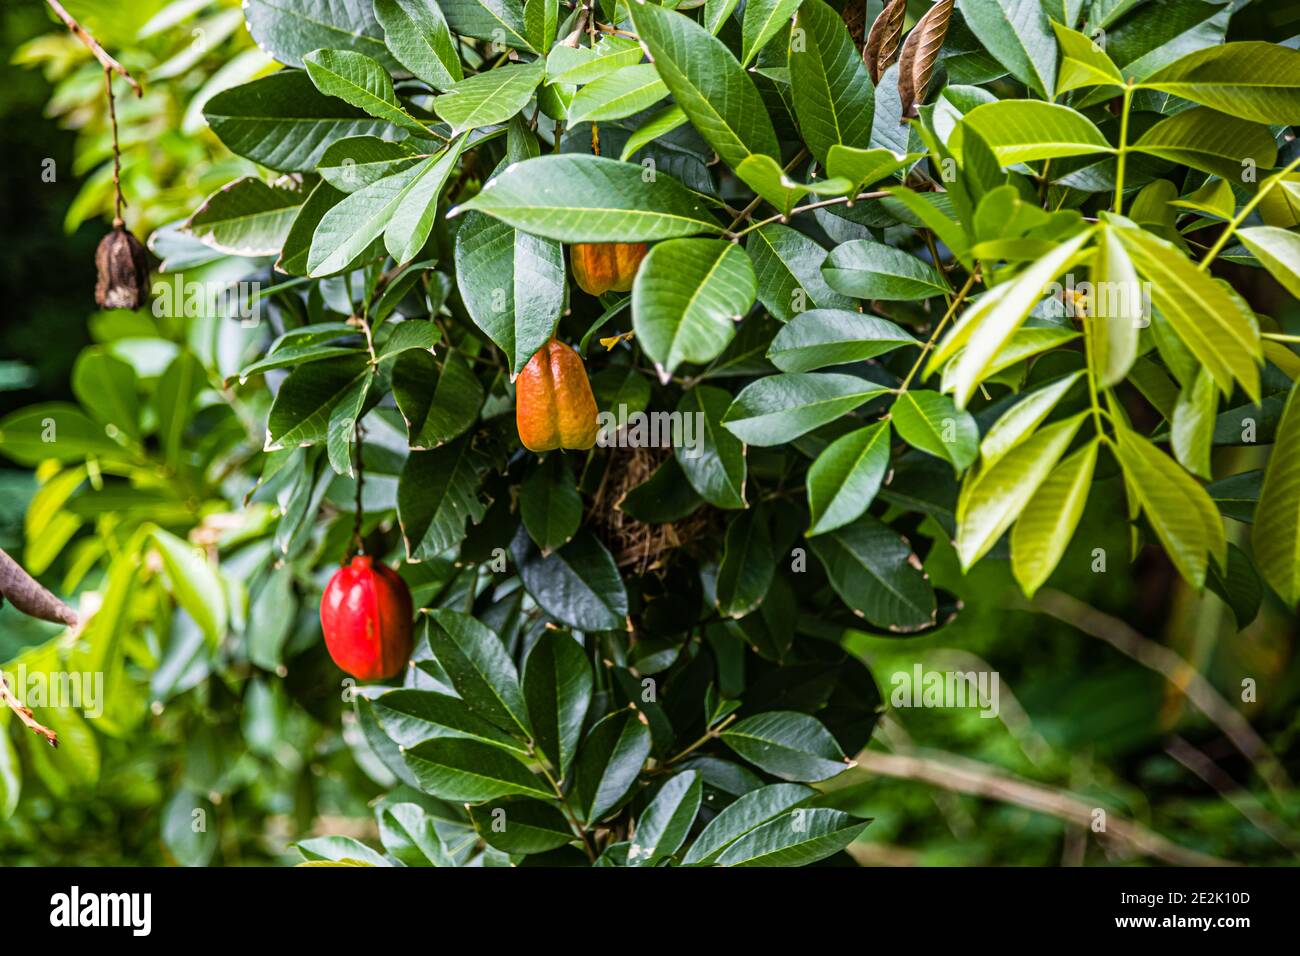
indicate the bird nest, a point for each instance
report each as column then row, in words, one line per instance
column 635, row 544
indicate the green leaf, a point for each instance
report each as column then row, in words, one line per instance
column 712, row 89
column 931, row 422
column 994, row 498
column 283, row 122
column 764, row 175
column 557, row 688
column 830, row 87
column 1209, row 318
column 490, row 97
column 1179, row 509
column 1256, row 81
column 1239, row 586
column 1084, row 62
column 340, row 850
column 798, row 838
column 578, row 585
column 844, row 479
column 436, row 492
column 618, row 95
column 11, row 776
column 873, row 270
column 1209, row 141
column 1047, row 524
column 340, row 431
column 300, row 414
column 659, row 124
column 987, row 326
column 189, row 845
column 550, row 505
column 715, row 465
column 608, row 764
column 297, row 244
column 871, row 567
column 289, row 31
column 748, row 812
column 409, row 833
column 56, row 431
column 513, row 284
column 1116, row 310
column 499, row 21
column 1019, row 35
column 1275, row 536
column 174, row 399
column 475, row 660
column 1020, row 131
column 747, row 566
column 788, row 745
column 521, row 826
column 582, row 64
column 357, row 79
column 687, row 297
column 412, row 221
column 822, row 337
column 1192, row 428
column 866, row 167
column 762, row 20
column 417, row 35
column 1278, row 251
column 451, row 768
column 246, row 218
column 579, row 198
column 1020, row 420
column 410, row 716
column 664, row 824
column 108, row 389
column 195, row 584
column 788, row 266
column 355, row 162
column 348, row 231
column 665, row 496
column 437, row 403
column 779, row 408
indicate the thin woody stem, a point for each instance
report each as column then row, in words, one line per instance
column 25, row 713
column 358, row 467
column 118, row 199
column 105, row 60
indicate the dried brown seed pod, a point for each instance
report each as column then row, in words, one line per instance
column 882, row 41
column 920, row 53
column 123, row 271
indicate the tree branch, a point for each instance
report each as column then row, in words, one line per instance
column 1198, row 691
column 979, row 780
column 105, row 60
column 25, row 713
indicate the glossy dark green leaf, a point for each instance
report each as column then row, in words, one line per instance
column 557, row 689
column 798, row 838
column 788, row 745
column 747, row 565
column 834, row 99
column 780, row 408
column 521, row 826
column 749, row 812
column 715, row 464
column 611, row 758
column 875, row 572
column 844, row 479
column 451, row 768
column 475, row 660
column 437, row 401
column 823, row 337
column 436, row 493
column 578, row 585
column 550, row 505
column 663, row 825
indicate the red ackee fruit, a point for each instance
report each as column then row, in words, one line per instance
column 365, row 613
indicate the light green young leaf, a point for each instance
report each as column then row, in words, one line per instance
column 1253, row 80
column 1116, row 310
column 1275, row 535
column 1278, row 250
column 994, row 498
column 1045, row 527
column 1019, row 421
column 1192, row 429
column 1020, row 131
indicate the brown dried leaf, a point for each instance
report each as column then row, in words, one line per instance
column 855, row 18
column 882, row 41
column 920, row 53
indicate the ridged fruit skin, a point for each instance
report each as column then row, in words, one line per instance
column 554, row 406
column 366, row 613
column 601, row 267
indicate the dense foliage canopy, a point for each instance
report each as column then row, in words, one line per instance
column 924, row 284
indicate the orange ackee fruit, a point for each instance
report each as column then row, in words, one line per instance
column 554, row 406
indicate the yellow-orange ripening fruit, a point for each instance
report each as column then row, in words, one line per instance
column 602, row 267
column 554, row 407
